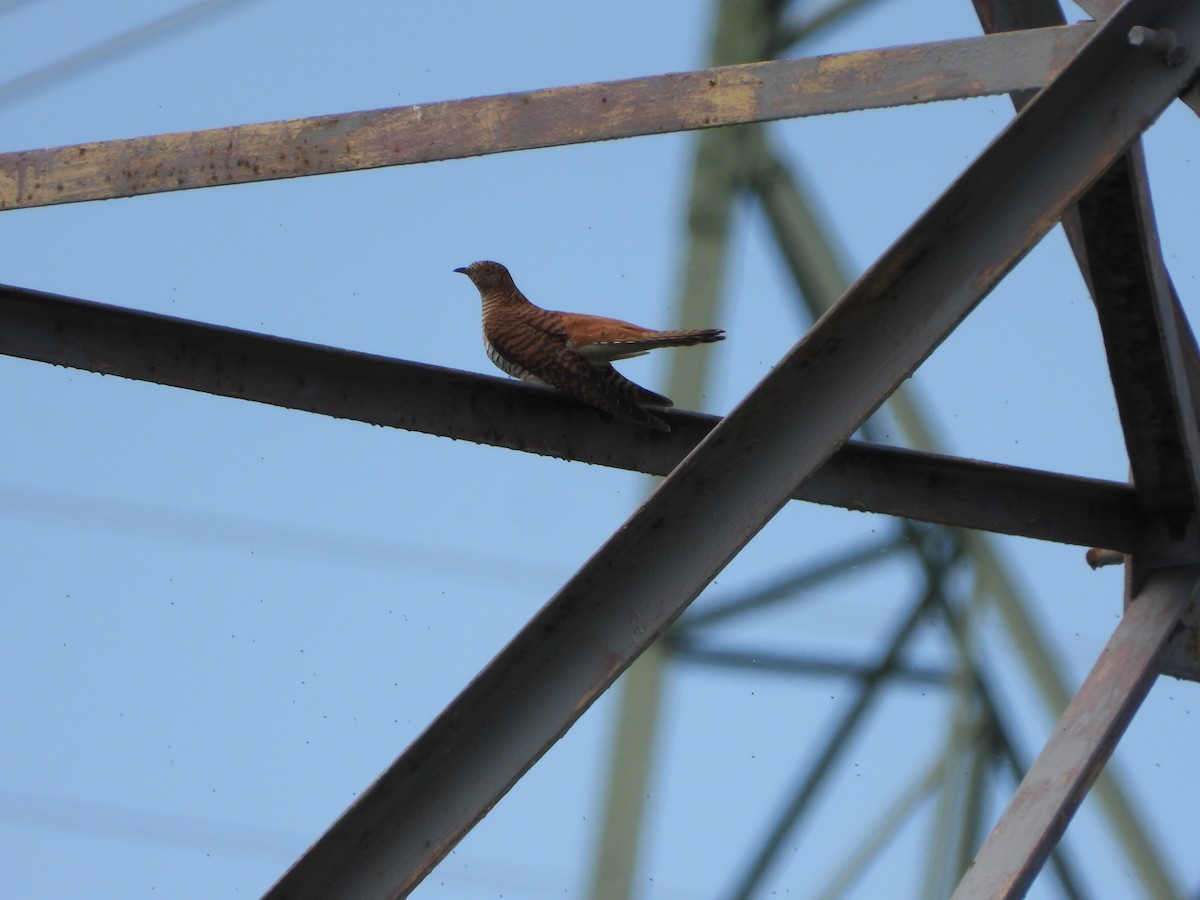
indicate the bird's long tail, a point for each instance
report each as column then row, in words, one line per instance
column 635, row 345
column 687, row 337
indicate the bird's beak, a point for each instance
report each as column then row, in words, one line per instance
column 462, row 270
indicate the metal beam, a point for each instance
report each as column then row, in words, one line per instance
column 1082, row 741
column 727, row 95
column 1143, row 853
column 1136, row 307
column 1153, row 355
column 813, row 260
column 726, row 490
column 1151, row 350
column 241, row 364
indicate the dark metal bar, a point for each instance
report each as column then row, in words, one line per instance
column 1143, row 853
column 503, row 413
column 1152, row 351
column 755, row 92
column 1137, row 318
column 1113, row 235
column 927, row 497
column 1082, row 741
column 725, row 491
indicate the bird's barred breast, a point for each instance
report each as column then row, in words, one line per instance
column 508, row 366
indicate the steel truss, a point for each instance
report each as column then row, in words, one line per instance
column 1070, row 155
column 729, row 165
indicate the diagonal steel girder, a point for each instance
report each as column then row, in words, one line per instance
column 1152, row 352
column 1112, row 234
column 1082, row 741
column 723, row 493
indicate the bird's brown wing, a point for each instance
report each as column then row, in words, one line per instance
column 540, row 347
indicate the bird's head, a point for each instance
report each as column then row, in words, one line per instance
column 487, row 275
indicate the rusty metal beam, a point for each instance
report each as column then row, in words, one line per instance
column 1082, row 741
column 735, row 480
column 1138, row 319
column 1113, row 236
column 1153, row 355
column 1124, row 181
column 727, row 95
column 504, row 413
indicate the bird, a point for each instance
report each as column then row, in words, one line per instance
column 572, row 352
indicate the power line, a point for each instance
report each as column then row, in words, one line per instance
column 108, row 50
column 167, row 829
column 7, row 6
column 194, row 527
column 271, row 845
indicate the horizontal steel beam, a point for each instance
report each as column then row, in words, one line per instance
column 728, row 95
column 1082, row 742
column 504, row 413
column 631, row 590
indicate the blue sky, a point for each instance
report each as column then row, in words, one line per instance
column 226, row 619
